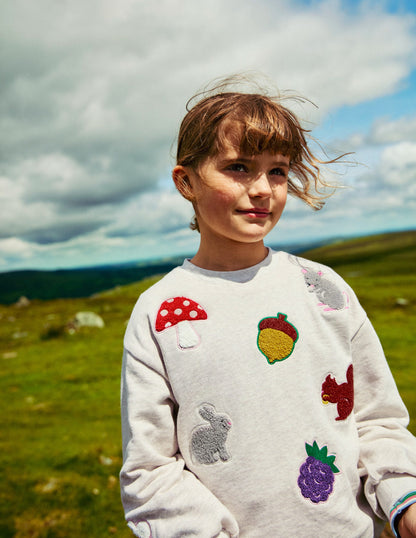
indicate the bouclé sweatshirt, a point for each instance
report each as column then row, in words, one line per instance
column 258, row 403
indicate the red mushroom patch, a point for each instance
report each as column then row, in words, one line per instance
column 180, row 312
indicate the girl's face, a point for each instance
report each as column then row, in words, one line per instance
column 238, row 198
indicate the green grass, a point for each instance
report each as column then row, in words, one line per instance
column 60, row 441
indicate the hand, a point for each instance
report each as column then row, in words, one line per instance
column 407, row 523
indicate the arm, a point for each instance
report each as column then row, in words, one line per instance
column 407, row 523
column 387, row 449
column 161, row 498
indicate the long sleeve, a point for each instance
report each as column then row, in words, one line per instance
column 161, row 498
column 387, row 449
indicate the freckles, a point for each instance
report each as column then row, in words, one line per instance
column 226, row 199
column 224, row 196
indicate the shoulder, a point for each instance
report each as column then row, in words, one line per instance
column 326, row 285
column 148, row 302
column 157, row 291
column 178, row 284
column 309, row 268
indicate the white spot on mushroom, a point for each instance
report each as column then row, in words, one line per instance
column 178, row 311
column 186, row 303
column 170, row 300
column 168, row 324
column 193, row 314
column 164, row 313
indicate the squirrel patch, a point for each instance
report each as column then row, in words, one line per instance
column 341, row 394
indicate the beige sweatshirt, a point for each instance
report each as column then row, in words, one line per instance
column 258, row 403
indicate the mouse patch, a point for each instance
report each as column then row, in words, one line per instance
column 329, row 295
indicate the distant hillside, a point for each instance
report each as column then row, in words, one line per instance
column 379, row 254
column 376, row 255
column 72, row 283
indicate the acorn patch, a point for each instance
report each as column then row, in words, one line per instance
column 277, row 338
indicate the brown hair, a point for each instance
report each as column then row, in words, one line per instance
column 260, row 123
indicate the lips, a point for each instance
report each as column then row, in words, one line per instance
column 255, row 212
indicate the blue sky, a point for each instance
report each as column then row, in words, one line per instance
column 92, row 95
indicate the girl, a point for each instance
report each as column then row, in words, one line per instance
column 256, row 399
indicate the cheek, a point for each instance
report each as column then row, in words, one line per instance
column 218, row 198
column 225, row 198
column 280, row 192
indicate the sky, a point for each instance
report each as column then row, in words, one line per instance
column 92, row 94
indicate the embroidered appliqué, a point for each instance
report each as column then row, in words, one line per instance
column 180, row 312
column 316, row 478
column 208, row 440
column 277, row 338
column 141, row 528
column 342, row 394
column 328, row 293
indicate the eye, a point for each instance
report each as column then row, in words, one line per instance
column 278, row 172
column 237, row 167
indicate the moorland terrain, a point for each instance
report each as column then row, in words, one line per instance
column 60, row 449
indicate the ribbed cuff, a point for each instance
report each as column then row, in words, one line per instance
column 398, row 509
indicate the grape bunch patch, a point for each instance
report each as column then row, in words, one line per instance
column 317, row 473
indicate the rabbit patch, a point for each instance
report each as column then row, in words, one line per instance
column 208, row 440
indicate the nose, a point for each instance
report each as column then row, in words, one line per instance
column 260, row 187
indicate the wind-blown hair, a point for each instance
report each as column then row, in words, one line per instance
column 255, row 122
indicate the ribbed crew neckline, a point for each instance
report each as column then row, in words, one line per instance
column 241, row 275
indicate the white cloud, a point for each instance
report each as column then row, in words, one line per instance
column 398, row 166
column 384, row 132
column 92, row 94
column 151, row 214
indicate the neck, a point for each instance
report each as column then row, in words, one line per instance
column 227, row 257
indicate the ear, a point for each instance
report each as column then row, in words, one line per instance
column 207, row 412
column 180, row 176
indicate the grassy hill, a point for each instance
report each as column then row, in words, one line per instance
column 72, row 283
column 59, row 390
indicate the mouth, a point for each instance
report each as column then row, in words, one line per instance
column 255, row 212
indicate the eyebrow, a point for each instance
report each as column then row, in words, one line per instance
column 244, row 160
